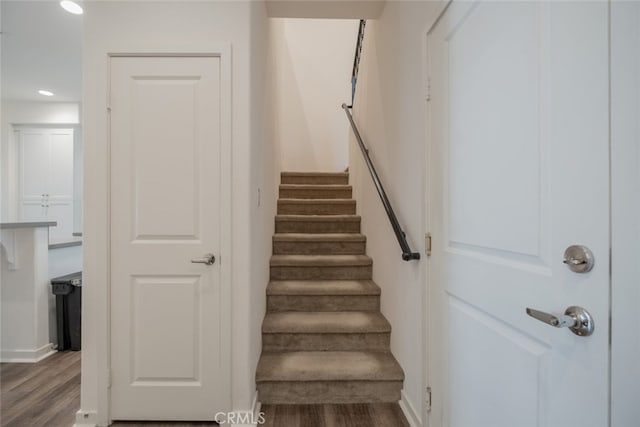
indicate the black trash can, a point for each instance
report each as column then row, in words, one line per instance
column 68, row 292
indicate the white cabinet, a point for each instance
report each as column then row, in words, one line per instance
column 46, row 178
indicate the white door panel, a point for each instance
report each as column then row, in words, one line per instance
column 167, row 345
column 35, row 150
column 33, row 211
column 519, row 172
column 60, row 211
column 61, row 178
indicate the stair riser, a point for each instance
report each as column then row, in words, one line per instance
column 317, row 392
column 315, row 180
column 325, row 342
column 323, row 303
column 288, row 208
column 318, row 248
column 294, row 193
column 359, row 272
column 284, row 226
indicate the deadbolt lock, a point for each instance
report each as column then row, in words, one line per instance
column 579, row 259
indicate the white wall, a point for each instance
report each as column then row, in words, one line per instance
column 28, row 113
column 390, row 111
column 265, row 178
column 625, row 210
column 176, row 27
column 25, row 295
column 313, row 59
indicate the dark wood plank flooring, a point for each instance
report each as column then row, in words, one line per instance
column 47, row 394
column 41, row 394
column 161, row 424
column 355, row 415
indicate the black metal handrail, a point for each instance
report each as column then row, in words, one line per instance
column 356, row 60
column 407, row 254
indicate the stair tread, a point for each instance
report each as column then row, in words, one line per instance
column 316, row 322
column 322, row 287
column 293, row 173
column 324, row 237
column 315, row 187
column 320, row 260
column 323, row 218
column 291, row 201
column 328, row 366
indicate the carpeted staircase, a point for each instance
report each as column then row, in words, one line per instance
column 324, row 339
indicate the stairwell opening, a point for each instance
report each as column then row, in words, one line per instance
column 310, row 64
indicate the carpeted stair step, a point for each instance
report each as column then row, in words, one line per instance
column 316, row 207
column 308, row 377
column 323, row 295
column 325, row 331
column 321, row 267
column 297, row 191
column 324, row 339
column 319, row 243
column 315, row 178
column 317, row 224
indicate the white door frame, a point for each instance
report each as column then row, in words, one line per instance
column 625, row 211
column 625, row 250
column 431, row 363
column 101, row 262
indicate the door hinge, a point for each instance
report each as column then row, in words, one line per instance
column 427, row 244
column 109, row 378
column 428, row 91
column 428, row 399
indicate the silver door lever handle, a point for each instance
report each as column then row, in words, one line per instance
column 560, row 321
column 577, row 319
column 208, row 259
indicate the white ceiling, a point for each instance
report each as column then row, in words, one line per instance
column 41, row 49
column 332, row 9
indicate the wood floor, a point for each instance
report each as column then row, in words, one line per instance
column 356, row 415
column 47, row 394
column 41, row 394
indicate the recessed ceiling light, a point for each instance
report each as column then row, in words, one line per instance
column 45, row 92
column 71, row 7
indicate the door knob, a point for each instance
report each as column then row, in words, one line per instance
column 577, row 319
column 208, row 259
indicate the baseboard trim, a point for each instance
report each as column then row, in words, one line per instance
column 86, row 419
column 90, row 419
column 409, row 411
column 27, row 356
column 256, row 405
column 252, row 415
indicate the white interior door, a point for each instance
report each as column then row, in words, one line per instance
column 518, row 172
column 168, row 314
